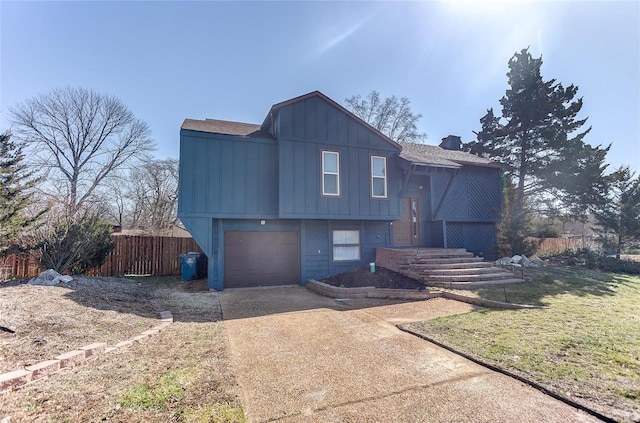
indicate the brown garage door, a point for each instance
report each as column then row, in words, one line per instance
column 261, row 259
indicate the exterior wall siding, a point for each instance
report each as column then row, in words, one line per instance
column 310, row 126
column 478, row 238
column 316, row 119
column 316, row 254
column 473, row 195
column 227, row 176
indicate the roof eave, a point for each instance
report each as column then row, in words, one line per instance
column 436, row 165
column 490, row 164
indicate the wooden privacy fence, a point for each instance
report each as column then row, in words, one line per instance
column 132, row 255
column 558, row 245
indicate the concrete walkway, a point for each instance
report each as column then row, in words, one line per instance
column 301, row 357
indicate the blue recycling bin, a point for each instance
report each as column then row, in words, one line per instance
column 189, row 263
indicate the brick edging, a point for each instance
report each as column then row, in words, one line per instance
column 17, row 379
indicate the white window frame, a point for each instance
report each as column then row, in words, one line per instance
column 384, row 177
column 355, row 234
column 324, row 172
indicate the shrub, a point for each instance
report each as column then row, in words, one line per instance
column 547, row 232
column 74, row 244
column 518, row 245
column 595, row 260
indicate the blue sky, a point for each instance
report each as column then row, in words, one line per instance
column 232, row 60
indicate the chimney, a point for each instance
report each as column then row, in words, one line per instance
column 451, row 142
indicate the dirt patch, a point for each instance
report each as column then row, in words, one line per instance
column 381, row 278
column 111, row 310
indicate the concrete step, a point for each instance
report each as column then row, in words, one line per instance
column 448, row 260
column 463, row 271
column 475, row 285
column 443, row 255
column 468, row 278
column 440, row 251
column 455, row 266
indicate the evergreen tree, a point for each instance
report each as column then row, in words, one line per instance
column 619, row 214
column 540, row 140
column 16, row 193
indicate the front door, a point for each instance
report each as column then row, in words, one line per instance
column 406, row 232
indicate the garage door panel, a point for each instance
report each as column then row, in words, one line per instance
column 261, row 258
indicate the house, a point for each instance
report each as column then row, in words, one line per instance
column 313, row 191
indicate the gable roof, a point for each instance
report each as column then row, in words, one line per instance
column 425, row 154
column 317, row 93
column 225, row 127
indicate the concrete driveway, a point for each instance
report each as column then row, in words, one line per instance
column 302, row 357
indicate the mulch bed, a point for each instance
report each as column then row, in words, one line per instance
column 382, row 278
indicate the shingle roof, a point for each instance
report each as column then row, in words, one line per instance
column 426, row 154
column 225, row 127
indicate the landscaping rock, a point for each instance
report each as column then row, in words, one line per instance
column 49, row 277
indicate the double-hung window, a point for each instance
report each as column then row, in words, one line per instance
column 346, row 245
column 330, row 173
column 378, row 177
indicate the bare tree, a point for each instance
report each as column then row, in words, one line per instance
column 80, row 137
column 146, row 198
column 391, row 116
column 113, row 203
column 156, row 192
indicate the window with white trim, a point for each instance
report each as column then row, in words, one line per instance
column 331, row 173
column 378, row 177
column 346, row 245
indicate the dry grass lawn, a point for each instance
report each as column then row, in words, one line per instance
column 182, row 374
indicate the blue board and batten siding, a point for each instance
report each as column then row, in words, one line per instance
column 227, row 176
column 312, row 125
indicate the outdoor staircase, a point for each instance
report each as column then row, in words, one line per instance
column 454, row 268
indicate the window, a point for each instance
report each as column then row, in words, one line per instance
column 378, row 177
column 346, row 245
column 331, row 173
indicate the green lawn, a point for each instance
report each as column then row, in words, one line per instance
column 584, row 344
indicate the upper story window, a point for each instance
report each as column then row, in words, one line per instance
column 378, row 177
column 330, row 173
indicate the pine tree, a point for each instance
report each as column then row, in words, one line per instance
column 540, row 141
column 619, row 214
column 16, row 184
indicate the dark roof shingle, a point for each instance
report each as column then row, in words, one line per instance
column 225, row 127
column 434, row 155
